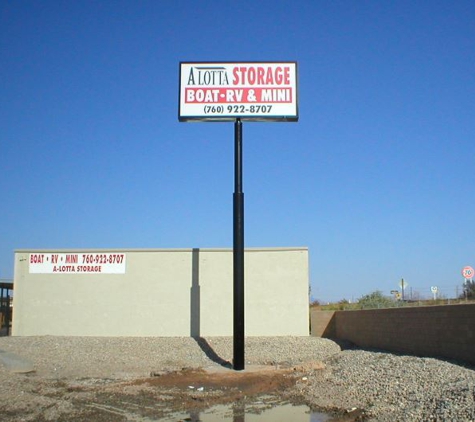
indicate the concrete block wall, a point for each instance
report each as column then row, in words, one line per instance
column 437, row 331
column 322, row 323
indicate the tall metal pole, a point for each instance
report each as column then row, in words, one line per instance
column 238, row 252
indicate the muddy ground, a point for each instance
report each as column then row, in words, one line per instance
column 169, row 395
column 48, row 378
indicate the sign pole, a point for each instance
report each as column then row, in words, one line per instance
column 232, row 92
column 238, row 251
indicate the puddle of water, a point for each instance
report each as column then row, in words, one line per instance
column 254, row 412
column 15, row 363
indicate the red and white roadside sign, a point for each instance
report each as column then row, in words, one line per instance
column 467, row 272
column 259, row 91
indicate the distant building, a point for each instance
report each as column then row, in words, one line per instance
column 158, row 292
column 6, row 294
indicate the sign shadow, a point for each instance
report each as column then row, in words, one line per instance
column 195, row 312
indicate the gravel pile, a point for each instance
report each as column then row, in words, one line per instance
column 115, row 357
column 378, row 386
column 394, row 388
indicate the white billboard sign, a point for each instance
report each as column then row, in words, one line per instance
column 259, row 91
column 77, row 263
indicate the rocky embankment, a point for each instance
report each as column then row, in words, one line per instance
column 390, row 387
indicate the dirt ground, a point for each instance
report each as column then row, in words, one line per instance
column 161, row 396
column 49, row 378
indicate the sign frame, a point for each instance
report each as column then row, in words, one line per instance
column 211, row 91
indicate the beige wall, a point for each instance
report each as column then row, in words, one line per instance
column 179, row 292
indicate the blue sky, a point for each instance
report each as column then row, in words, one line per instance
column 376, row 178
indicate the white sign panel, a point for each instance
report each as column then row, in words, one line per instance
column 77, row 263
column 249, row 91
